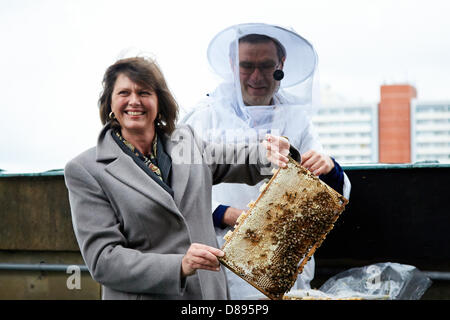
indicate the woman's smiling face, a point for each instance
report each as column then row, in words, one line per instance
column 134, row 107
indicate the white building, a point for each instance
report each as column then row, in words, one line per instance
column 349, row 133
column 430, row 138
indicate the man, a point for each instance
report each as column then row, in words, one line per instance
column 250, row 103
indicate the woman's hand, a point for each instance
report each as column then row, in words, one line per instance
column 317, row 163
column 200, row 256
column 277, row 150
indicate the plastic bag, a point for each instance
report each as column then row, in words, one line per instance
column 388, row 280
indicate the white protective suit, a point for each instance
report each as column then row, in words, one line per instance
column 223, row 117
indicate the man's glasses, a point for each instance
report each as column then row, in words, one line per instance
column 266, row 68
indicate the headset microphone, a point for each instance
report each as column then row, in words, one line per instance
column 278, row 75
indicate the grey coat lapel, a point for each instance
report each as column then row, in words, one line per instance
column 176, row 147
column 123, row 168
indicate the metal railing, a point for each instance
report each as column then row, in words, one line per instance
column 41, row 267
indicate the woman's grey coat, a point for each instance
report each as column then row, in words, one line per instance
column 133, row 234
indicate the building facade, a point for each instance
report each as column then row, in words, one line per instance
column 349, row 133
column 400, row 129
column 431, row 131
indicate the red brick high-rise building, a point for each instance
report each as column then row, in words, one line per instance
column 394, row 123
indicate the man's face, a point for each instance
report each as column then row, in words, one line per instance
column 257, row 62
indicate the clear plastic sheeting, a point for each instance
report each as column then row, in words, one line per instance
column 388, row 280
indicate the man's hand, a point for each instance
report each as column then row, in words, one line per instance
column 200, row 256
column 230, row 216
column 317, row 163
column 277, row 150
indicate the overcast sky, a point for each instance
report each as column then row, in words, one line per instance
column 54, row 53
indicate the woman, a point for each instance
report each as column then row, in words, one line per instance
column 141, row 207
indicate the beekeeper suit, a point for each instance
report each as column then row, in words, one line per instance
column 268, row 74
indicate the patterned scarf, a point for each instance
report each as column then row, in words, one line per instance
column 149, row 160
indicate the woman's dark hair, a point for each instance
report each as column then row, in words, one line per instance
column 147, row 74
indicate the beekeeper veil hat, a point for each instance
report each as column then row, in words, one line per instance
column 290, row 75
column 301, row 58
